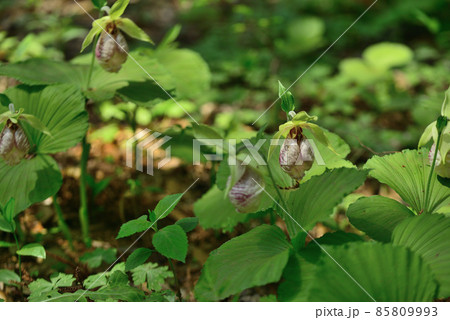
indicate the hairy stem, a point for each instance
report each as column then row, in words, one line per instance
column 62, row 222
column 18, row 256
column 84, row 214
column 177, row 284
column 430, row 176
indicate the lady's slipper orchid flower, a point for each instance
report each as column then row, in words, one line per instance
column 111, row 50
column 14, row 143
column 296, row 154
column 245, row 194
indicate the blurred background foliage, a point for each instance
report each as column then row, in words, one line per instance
column 377, row 87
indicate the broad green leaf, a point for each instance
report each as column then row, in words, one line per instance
column 215, row 211
column 30, row 181
column 153, row 275
column 138, row 257
column 166, row 205
column 428, row 236
column 386, row 55
column 171, row 242
column 35, row 123
column 32, row 249
column 134, row 226
column 377, row 216
column 287, row 99
column 188, row 224
column 315, row 199
column 9, row 211
column 407, row 173
column 118, row 278
column 114, row 293
column 95, row 258
column 188, row 70
column 385, row 273
column 299, row 274
column 163, row 296
column 130, row 28
column 205, row 132
column 252, row 259
column 59, row 108
column 118, row 8
column 8, row 276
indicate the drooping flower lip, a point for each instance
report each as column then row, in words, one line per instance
column 246, row 193
column 111, row 49
column 296, row 154
column 14, row 144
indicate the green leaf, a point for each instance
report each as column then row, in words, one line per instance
column 215, row 211
column 252, row 259
column 171, row 242
column 6, row 226
column 428, row 235
column 8, row 276
column 29, row 182
column 35, row 123
column 42, row 290
column 95, row 30
column 170, row 36
column 188, row 70
column 407, row 173
column 4, row 244
column 59, row 108
column 152, row 274
column 101, row 279
column 315, row 199
column 386, row 55
column 138, row 257
column 32, row 249
column 99, row 3
column 95, row 258
column 287, row 99
column 9, row 211
column 118, row 278
column 166, row 205
column 130, row 28
column 134, row 226
column 188, row 224
column 118, row 8
column 114, row 293
column 377, row 216
column 386, row 273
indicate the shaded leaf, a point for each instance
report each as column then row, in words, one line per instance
column 171, row 242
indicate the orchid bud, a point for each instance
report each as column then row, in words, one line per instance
column 14, row 143
column 296, row 154
column 246, row 195
column 111, row 50
column 442, row 169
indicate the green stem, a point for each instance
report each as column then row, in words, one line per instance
column 84, row 214
column 177, row 284
column 430, row 176
column 91, row 67
column 18, row 256
column 275, row 184
column 62, row 222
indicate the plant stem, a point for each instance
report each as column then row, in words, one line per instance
column 18, row 256
column 91, row 67
column 62, row 223
column 84, row 214
column 274, row 183
column 177, row 284
column 430, row 176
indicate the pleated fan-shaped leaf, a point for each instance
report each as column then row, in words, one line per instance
column 373, row 272
column 428, row 235
column 407, row 173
